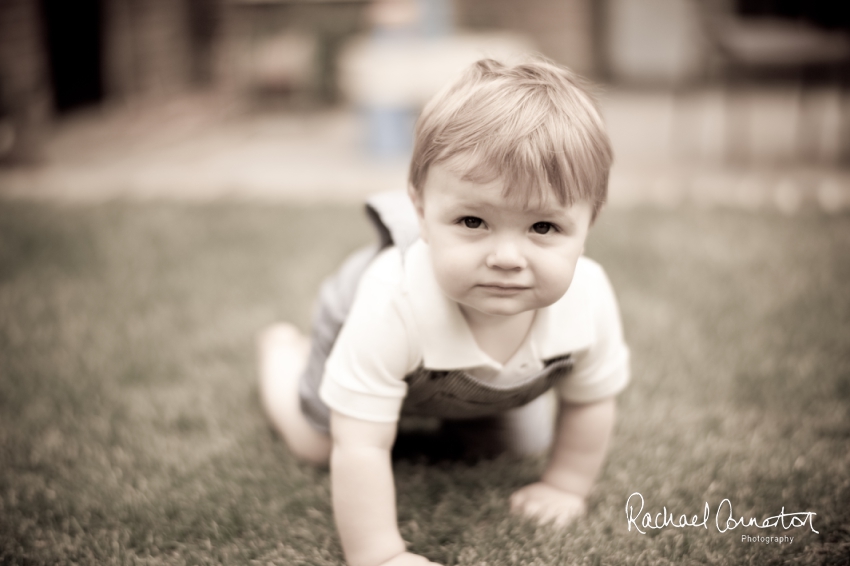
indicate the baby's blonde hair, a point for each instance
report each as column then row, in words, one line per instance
column 533, row 125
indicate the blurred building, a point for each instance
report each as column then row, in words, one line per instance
column 58, row 56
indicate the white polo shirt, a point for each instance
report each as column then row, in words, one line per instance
column 401, row 320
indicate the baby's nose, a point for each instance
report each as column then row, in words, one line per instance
column 506, row 254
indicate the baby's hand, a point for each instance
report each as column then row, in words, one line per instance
column 409, row 559
column 547, row 503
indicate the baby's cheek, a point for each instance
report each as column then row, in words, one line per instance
column 557, row 281
column 452, row 274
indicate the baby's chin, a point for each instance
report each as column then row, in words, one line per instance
column 499, row 307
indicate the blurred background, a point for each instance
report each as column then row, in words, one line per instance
column 130, row 423
column 732, row 102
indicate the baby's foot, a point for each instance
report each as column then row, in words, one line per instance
column 283, row 354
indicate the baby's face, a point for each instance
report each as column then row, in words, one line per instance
column 492, row 255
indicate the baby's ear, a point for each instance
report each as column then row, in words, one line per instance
column 416, row 199
column 419, row 205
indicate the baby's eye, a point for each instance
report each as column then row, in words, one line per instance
column 542, row 227
column 472, row 222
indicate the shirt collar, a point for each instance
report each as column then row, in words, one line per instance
column 446, row 340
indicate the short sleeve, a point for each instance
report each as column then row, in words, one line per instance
column 602, row 370
column 364, row 374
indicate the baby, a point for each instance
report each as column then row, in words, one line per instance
column 477, row 307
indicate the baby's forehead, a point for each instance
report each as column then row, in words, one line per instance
column 523, row 188
column 526, row 195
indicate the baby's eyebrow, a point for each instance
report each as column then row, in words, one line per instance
column 475, row 205
column 546, row 211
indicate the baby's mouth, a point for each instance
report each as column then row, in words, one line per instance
column 503, row 287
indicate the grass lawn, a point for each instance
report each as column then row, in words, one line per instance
column 131, row 432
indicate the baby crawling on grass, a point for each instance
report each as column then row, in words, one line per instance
column 477, row 307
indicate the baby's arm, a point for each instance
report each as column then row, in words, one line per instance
column 581, row 441
column 364, row 493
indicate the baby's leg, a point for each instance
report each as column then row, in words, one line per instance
column 283, row 355
column 291, row 367
column 530, row 429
